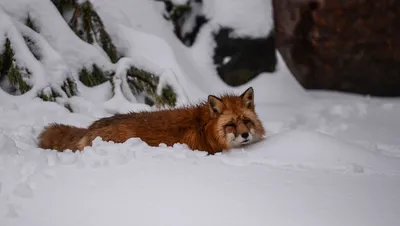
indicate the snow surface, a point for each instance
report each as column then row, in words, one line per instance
column 329, row 159
column 307, row 172
column 251, row 18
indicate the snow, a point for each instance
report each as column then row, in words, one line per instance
column 190, row 20
column 139, row 29
column 179, row 2
column 23, row 57
column 298, row 171
column 329, row 158
column 250, row 18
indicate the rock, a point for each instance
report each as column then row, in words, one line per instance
column 350, row 46
column 238, row 60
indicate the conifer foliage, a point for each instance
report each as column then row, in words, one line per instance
column 84, row 21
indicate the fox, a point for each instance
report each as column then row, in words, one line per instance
column 217, row 124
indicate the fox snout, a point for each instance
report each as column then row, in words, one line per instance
column 242, row 138
column 245, row 135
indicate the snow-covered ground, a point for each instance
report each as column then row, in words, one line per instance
column 329, row 159
column 332, row 161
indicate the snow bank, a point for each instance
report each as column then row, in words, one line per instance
column 148, row 41
column 308, row 176
column 63, row 54
column 23, row 57
column 279, row 86
column 149, row 36
column 251, row 18
column 301, row 149
column 304, row 174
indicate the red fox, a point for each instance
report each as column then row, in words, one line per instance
column 216, row 125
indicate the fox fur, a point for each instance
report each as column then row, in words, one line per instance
column 215, row 125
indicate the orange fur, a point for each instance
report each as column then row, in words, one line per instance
column 213, row 126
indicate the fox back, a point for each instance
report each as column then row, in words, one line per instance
column 218, row 124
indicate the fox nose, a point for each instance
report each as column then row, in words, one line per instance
column 245, row 135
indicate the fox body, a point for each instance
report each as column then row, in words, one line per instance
column 215, row 125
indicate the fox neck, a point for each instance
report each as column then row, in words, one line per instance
column 209, row 134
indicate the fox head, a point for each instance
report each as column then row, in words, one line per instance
column 234, row 120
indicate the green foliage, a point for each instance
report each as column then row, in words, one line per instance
column 69, row 87
column 31, row 24
column 87, row 24
column 87, row 12
column 168, row 97
column 94, row 77
column 6, row 58
column 112, row 86
column 139, row 81
column 48, row 95
column 10, row 70
column 178, row 11
column 68, row 106
column 16, row 77
column 180, row 14
column 64, row 5
column 29, row 42
column 103, row 38
column 142, row 82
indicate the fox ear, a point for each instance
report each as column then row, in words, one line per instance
column 215, row 105
column 248, row 97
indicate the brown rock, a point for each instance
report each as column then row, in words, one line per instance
column 351, row 46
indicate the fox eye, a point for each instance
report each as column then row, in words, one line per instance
column 231, row 124
column 246, row 121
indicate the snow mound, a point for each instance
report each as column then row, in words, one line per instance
column 136, row 184
column 296, row 150
column 148, row 40
column 303, row 149
column 251, row 18
column 7, row 144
